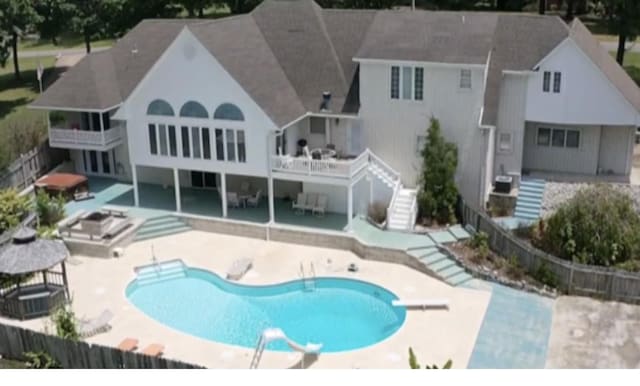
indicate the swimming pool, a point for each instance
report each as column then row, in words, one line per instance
column 342, row 314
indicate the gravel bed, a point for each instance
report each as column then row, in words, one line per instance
column 556, row 193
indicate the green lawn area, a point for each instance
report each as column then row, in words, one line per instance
column 14, row 115
column 9, row 364
column 66, row 42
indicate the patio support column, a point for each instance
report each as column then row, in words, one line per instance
column 272, row 212
column 223, row 193
column 134, row 177
column 176, row 188
column 102, row 129
column 65, row 280
column 349, row 207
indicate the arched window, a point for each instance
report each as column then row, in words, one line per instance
column 160, row 107
column 229, row 112
column 194, row 110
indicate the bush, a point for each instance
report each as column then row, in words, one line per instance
column 377, row 212
column 634, row 73
column 40, row 360
column 598, row 226
column 414, row 365
column 50, row 209
column 65, row 322
column 545, row 276
column 438, row 195
column 13, row 208
column 480, row 242
column 514, row 269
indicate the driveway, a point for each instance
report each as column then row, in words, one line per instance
column 588, row 333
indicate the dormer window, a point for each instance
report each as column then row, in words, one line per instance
column 546, row 81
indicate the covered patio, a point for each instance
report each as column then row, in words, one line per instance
column 157, row 200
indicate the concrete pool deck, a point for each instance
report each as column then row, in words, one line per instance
column 435, row 335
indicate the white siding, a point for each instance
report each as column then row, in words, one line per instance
column 187, row 71
column 391, row 126
column 511, row 112
column 586, row 95
column 614, row 150
column 583, row 160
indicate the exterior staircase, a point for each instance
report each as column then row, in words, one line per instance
column 161, row 226
column 441, row 264
column 377, row 171
column 529, row 200
column 402, row 212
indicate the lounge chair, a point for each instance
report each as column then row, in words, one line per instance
column 91, row 327
column 232, row 200
column 321, row 206
column 299, row 203
column 239, row 268
column 310, row 202
column 128, row 344
column 255, row 200
column 154, row 350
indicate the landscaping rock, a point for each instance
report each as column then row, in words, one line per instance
column 556, row 193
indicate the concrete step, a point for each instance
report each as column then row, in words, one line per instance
column 441, row 265
column 459, row 279
column 528, row 205
column 148, row 229
column 450, row 271
column 433, row 258
column 420, row 253
column 163, row 232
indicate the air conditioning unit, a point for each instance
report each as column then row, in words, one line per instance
column 503, row 184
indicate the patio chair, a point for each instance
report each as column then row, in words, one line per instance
column 299, row 203
column 128, row 344
column 91, row 327
column 321, row 206
column 154, row 350
column 232, row 200
column 310, row 202
column 255, row 200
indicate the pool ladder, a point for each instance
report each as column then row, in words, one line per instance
column 309, row 281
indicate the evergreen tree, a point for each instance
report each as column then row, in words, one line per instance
column 438, row 193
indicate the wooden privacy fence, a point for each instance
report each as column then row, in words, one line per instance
column 15, row 341
column 572, row 278
column 31, row 165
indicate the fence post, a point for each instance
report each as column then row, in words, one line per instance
column 570, row 283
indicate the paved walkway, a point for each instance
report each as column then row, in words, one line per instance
column 61, row 52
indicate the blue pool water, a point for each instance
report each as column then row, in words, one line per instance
column 342, row 314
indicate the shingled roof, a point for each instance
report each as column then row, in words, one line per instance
column 286, row 53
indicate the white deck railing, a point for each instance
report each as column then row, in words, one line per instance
column 329, row 167
column 58, row 136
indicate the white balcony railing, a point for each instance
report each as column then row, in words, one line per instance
column 324, row 167
column 79, row 138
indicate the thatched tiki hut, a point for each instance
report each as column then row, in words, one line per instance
column 33, row 277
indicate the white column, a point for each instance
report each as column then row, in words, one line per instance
column 223, row 185
column 349, row 207
column 327, row 129
column 176, row 187
column 134, row 176
column 272, row 212
column 101, row 130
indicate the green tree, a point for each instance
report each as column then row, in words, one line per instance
column 15, row 17
column 598, row 226
column 196, row 7
column 95, row 18
column 50, row 210
column 623, row 18
column 53, row 17
column 134, row 11
column 13, row 208
column 65, row 322
column 438, row 194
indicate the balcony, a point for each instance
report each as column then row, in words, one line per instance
column 85, row 139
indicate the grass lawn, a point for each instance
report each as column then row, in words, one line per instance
column 9, row 364
column 14, row 96
column 66, row 42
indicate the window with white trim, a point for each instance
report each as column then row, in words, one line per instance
column 505, row 142
column 407, row 82
column 465, row 79
column 565, row 138
column 557, row 79
column 546, row 81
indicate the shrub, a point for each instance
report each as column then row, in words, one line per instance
column 50, row 209
column 413, row 363
column 514, row 269
column 13, row 208
column 65, row 322
column 377, row 212
column 545, row 276
column 40, row 360
column 438, row 194
column 480, row 243
column 598, row 226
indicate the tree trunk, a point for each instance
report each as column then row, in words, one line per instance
column 191, row 11
column 201, row 12
column 14, row 47
column 87, row 41
column 569, row 14
column 54, row 40
column 501, row 5
column 542, row 6
column 622, row 40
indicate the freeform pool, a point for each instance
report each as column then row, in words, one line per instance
column 342, row 314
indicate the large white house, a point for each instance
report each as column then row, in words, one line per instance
column 214, row 103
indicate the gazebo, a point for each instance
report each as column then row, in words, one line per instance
column 31, row 287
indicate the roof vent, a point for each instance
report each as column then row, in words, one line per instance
column 326, row 99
